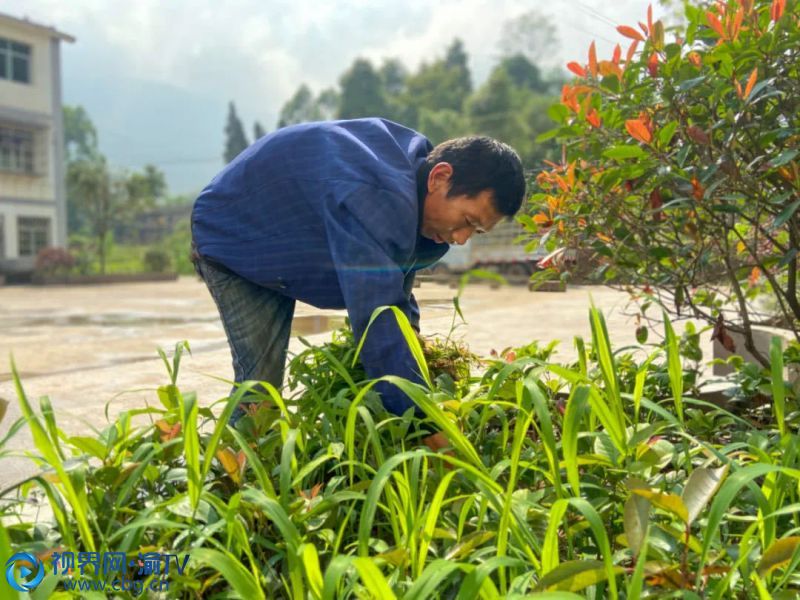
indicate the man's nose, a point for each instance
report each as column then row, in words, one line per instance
column 460, row 236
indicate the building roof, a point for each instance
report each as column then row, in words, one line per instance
column 27, row 23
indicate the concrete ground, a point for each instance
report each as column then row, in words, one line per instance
column 88, row 346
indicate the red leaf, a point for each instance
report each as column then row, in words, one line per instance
column 750, row 83
column 593, row 60
column 593, row 118
column 655, row 205
column 715, row 24
column 652, row 65
column 617, row 54
column 721, row 334
column 577, row 69
column 697, row 189
column 609, row 68
column 631, row 51
column 650, row 18
column 630, row 32
column 777, row 8
column 638, row 130
column 697, row 134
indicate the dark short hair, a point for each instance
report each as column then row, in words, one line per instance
column 481, row 163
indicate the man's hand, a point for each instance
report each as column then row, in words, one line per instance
column 437, row 442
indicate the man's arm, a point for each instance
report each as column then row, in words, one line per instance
column 363, row 228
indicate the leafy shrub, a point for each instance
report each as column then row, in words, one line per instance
column 156, row 261
column 53, row 261
column 682, row 170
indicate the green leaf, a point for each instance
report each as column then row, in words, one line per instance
column 576, row 406
column 550, row 553
column 89, row 445
column 426, row 585
column 469, row 543
column 636, row 516
column 478, row 580
column 575, row 575
column 624, row 151
column 778, row 390
column 224, row 563
column 558, row 112
column 312, row 571
column 700, row 488
column 783, row 158
column 690, row 83
column 667, row 132
column 777, row 555
column 786, row 214
column 431, row 517
column 674, row 366
column 671, row 503
column 729, row 490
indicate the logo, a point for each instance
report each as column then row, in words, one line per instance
column 29, row 564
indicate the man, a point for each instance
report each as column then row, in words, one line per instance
column 342, row 214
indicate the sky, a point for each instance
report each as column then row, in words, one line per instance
column 156, row 76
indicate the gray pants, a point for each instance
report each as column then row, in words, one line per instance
column 257, row 321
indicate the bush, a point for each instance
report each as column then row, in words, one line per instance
column 682, row 171
column 53, row 261
column 156, row 261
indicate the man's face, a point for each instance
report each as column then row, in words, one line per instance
column 454, row 220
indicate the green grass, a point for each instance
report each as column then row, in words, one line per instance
column 603, row 478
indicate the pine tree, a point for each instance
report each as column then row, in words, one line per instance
column 258, row 131
column 235, row 139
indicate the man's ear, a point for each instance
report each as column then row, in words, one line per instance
column 439, row 176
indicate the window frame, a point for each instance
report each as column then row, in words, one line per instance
column 11, row 50
column 28, row 229
column 21, row 154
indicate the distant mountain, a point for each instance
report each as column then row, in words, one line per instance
column 140, row 122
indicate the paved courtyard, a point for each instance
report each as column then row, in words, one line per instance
column 88, row 346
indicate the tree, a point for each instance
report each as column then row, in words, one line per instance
column 258, row 131
column 456, row 60
column 491, row 109
column 524, row 74
column 682, row 173
column 302, row 107
column 393, row 75
column 532, row 35
column 80, row 143
column 235, row 139
column 327, row 104
column 362, row 92
column 80, row 135
column 441, row 125
column 148, row 187
column 299, row 109
column 444, row 84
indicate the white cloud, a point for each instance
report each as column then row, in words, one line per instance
column 257, row 52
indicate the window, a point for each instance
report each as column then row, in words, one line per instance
column 2, row 238
column 16, row 150
column 15, row 61
column 34, row 234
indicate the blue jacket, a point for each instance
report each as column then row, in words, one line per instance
column 329, row 213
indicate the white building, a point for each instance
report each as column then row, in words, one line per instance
column 32, row 195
